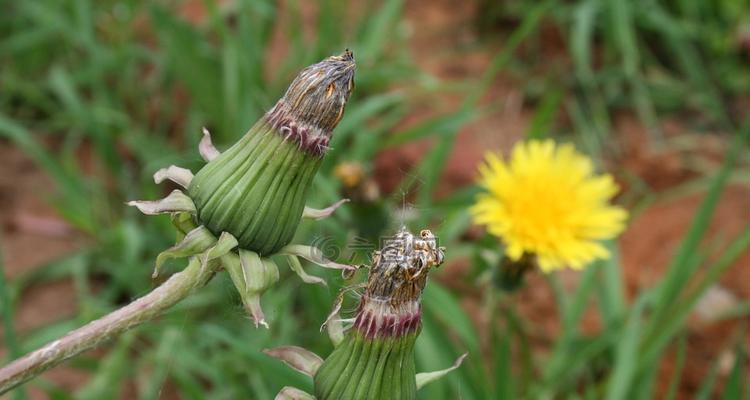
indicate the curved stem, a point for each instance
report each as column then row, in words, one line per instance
column 176, row 288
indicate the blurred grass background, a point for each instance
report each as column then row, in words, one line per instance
column 101, row 94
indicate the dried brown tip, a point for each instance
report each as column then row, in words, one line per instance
column 314, row 102
column 399, row 271
column 391, row 304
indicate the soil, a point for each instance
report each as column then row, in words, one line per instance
column 32, row 234
column 442, row 40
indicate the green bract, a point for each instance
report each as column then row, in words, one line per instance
column 375, row 358
column 245, row 204
column 255, row 190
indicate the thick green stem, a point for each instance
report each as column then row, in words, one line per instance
column 176, row 288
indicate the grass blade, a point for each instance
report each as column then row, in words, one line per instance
column 677, row 273
column 626, row 355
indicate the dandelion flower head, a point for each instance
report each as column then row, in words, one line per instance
column 547, row 200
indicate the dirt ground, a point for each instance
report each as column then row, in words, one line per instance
column 33, row 234
column 654, row 233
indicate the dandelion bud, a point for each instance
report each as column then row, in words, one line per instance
column 256, row 189
column 376, row 358
column 244, row 206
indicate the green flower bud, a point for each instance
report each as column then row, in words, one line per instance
column 256, row 189
column 376, row 358
column 245, row 204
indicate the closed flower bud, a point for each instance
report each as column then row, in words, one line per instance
column 245, row 204
column 256, row 189
column 376, row 358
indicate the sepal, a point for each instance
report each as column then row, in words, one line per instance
column 318, row 214
column 424, row 378
column 252, row 276
column 296, row 266
column 292, row 393
column 184, row 222
column 196, row 241
column 298, row 358
column 175, row 202
column 178, row 175
column 313, row 255
column 206, row 148
column 223, row 246
column 333, row 324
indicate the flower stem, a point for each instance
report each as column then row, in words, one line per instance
column 176, row 288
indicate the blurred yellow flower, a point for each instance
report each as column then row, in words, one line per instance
column 547, row 201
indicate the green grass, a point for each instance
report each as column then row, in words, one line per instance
column 132, row 83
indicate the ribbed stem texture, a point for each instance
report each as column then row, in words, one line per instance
column 374, row 368
column 256, row 190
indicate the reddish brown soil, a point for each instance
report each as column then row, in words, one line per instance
column 652, row 238
column 31, row 234
column 441, row 36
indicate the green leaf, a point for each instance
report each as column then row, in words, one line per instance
column 674, row 382
column 734, row 386
column 626, row 355
column 443, row 306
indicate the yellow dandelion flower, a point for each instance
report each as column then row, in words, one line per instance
column 547, row 201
